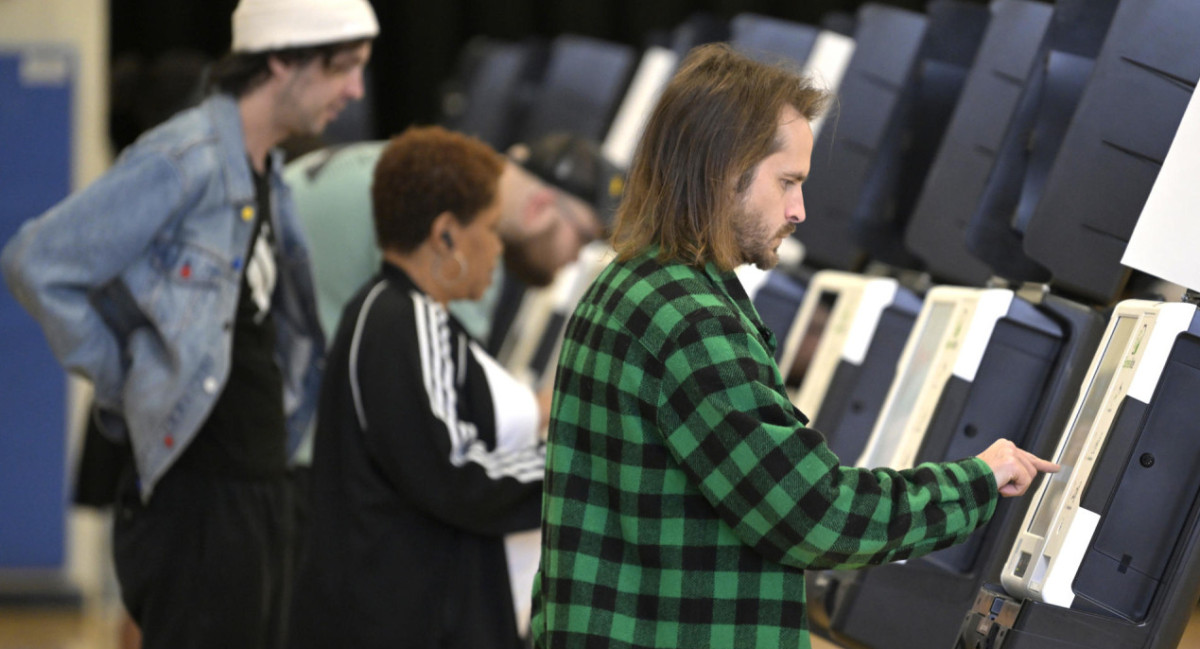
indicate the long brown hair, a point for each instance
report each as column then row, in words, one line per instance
column 717, row 119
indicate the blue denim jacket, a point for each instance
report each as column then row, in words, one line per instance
column 135, row 282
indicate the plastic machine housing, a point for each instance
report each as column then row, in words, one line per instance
column 877, row 607
column 844, row 158
column 858, row 386
column 1007, row 58
column 1005, row 132
column 584, row 81
column 1135, row 570
column 498, row 78
column 846, row 320
column 1117, row 140
column 980, row 364
column 837, row 320
column 905, row 68
column 996, row 231
column 1133, row 580
column 895, row 95
column 1028, row 375
column 771, row 39
column 894, row 101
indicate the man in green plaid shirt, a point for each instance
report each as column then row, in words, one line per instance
column 684, row 496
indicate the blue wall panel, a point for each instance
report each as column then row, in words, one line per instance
column 35, row 173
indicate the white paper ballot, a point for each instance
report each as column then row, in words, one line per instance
column 1164, row 241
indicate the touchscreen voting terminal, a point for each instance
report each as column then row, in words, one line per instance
column 953, row 328
column 838, row 317
column 1056, row 529
column 859, row 386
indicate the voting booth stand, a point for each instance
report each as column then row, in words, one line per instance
column 980, row 363
column 1132, row 574
column 1023, row 378
column 1010, row 148
column 1006, row 195
column 1109, row 555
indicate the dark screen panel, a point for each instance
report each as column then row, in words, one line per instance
column 991, row 99
column 995, row 233
column 585, row 80
column 847, row 151
column 911, row 140
column 1111, row 154
column 768, row 39
column 492, row 100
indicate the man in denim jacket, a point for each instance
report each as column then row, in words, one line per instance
column 179, row 284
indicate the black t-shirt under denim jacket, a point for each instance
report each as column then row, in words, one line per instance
column 245, row 435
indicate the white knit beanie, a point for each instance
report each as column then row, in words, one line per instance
column 267, row 25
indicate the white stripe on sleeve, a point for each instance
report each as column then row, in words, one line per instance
column 523, row 462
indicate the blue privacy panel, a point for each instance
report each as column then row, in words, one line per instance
column 35, row 173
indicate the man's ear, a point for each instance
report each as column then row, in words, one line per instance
column 277, row 66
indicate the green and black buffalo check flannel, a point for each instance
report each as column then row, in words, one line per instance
column 684, row 496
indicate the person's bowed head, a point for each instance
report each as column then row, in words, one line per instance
column 559, row 194
column 436, row 210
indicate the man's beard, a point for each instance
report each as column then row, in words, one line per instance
column 521, row 260
column 755, row 242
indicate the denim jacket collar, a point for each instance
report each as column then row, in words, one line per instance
column 227, row 123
